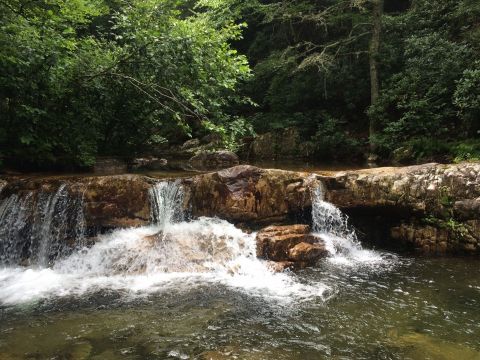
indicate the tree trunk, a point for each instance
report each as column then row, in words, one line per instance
column 374, row 48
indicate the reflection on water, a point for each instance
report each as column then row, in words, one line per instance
column 417, row 309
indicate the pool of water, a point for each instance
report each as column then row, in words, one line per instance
column 397, row 308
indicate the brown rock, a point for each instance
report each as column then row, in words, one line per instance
column 291, row 243
column 246, row 193
column 212, row 160
column 306, row 252
column 116, row 201
column 280, row 266
column 283, row 143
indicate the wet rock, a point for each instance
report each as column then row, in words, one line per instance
column 433, row 207
column 108, row 201
column 441, row 238
column 305, row 252
column 249, row 194
column 290, row 245
column 110, row 166
column 149, row 163
column 280, row 266
column 117, row 201
column 189, row 144
column 212, row 160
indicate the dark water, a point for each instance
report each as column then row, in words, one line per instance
column 413, row 308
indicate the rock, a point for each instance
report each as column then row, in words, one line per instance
column 263, row 147
column 290, row 245
column 212, row 160
column 116, row 201
column 108, row 201
column 110, row 166
column 149, row 163
column 431, row 207
column 426, row 189
column 280, row 266
column 211, row 139
column 305, row 252
column 189, row 144
column 246, row 193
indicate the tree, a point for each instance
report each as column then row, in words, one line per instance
column 377, row 13
column 93, row 77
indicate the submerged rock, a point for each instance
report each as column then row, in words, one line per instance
column 249, row 194
column 290, row 246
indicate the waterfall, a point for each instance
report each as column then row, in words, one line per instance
column 339, row 236
column 171, row 252
column 166, row 201
column 38, row 227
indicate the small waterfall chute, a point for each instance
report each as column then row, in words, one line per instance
column 166, row 201
column 340, row 237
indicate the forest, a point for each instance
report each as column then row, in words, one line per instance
column 390, row 80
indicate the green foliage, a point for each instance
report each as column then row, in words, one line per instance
column 83, row 78
column 467, row 99
column 86, row 77
column 466, row 151
column 333, row 142
column 418, row 102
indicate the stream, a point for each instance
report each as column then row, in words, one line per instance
column 185, row 288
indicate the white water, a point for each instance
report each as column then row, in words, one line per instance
column 340, row 238
column 35, row 227
column 172, row 254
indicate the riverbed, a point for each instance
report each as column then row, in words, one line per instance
column 394, row 308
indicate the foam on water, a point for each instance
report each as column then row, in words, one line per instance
column 169, row 254
column 183, row 255
column 340, row 238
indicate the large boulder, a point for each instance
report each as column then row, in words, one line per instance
column 108, row 201
column 213, row 160
column 289, row 245
column 246, row 193
column 116, row 201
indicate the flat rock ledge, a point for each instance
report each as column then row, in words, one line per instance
column 434, row 208
column 289, row 246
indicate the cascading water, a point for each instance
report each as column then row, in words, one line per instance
column 170, row 252
column 166, row 200
column 340, row 238
column 39, row 227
